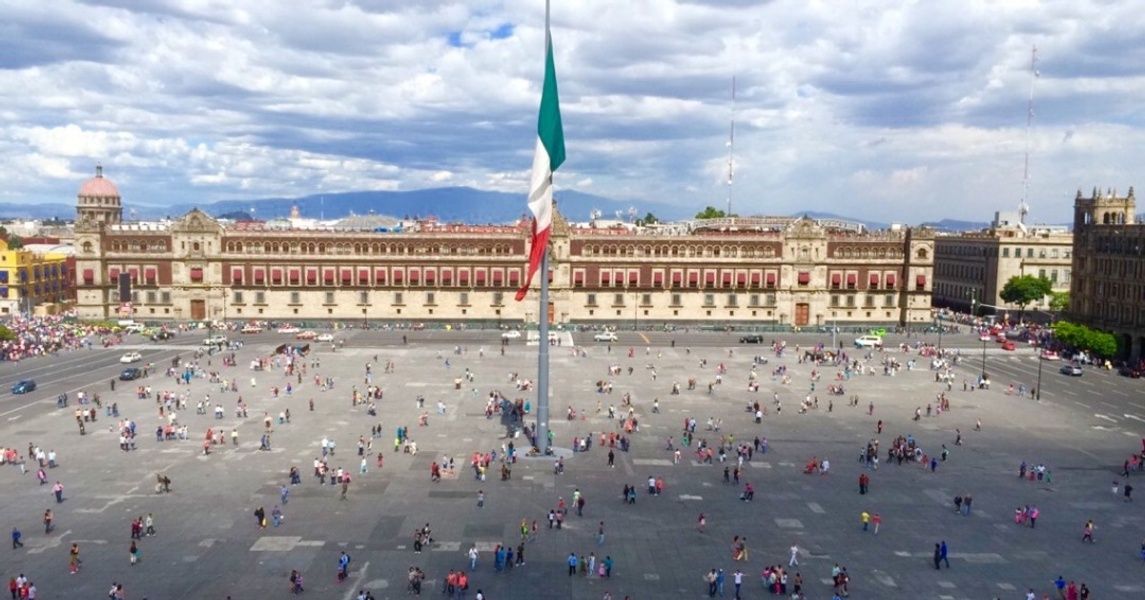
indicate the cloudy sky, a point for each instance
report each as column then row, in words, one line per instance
column 886, row 110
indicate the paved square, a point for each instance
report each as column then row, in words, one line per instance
column 208, row 545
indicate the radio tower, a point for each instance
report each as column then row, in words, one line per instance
column 1023, row 207
column 731, row 147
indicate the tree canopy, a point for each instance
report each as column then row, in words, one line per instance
column 711, row 212
column 1024, row 289
column 6, row 334
column 648, row 219
column 1059, row 301
column 1081, row 337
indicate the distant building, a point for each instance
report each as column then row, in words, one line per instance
column 35, row 280
column 975, row 266
column 747, row 271
column 1108, row 290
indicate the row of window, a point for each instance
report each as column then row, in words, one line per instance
column 378, row 276
column 677, row 300
column 54, row 271
column 1041, row 252
column 1115, row 244
column 365, row 249
column 364, row 297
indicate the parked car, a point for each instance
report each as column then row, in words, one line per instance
column 985, row 338
column 162, row 335
column 1050, row 355
column 753, row 338
column 131, row 357
column 251, row 329
column 512, row 334
column 869, row 341
column 605, row 336
column 131, row 374
column 305, row 335
column 1008, row 346
column 24, row 386
column 1071, row 370
column 326, row 337
column 289, row 329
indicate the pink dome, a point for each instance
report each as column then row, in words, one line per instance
column 98, row 186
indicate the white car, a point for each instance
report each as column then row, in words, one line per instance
column 605, row 336
column 289, row 329
column 251, row 329
column 869, row 341
column 325, row 337
column 215, row 340
column 131, row 357
column 512, row 334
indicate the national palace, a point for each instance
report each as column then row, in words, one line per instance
column 781, row 271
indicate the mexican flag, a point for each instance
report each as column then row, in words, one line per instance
column 548, row 155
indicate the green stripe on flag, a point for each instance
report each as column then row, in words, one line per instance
column 549, row 120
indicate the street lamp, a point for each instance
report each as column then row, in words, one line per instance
column 984, row 360
column 1038, row 390
column 938, row 322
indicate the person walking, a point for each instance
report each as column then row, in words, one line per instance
column 1087, row 533
column 58, row 490
column 134, row 553
column 48, row 518
column 865, row 519
column 572, row 562
column 600, row 534
column 876, row 520
column 737, row 579
column 74, row 559
column 943, row 551
column 16, row 535
column 937, row 557
column 791, row 562
column 260, row 517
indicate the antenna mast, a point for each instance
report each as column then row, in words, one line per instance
column 731, row 147
column 1023, row 207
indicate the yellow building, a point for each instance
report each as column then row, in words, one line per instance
column 32, row 282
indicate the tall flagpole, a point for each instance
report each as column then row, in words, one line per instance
column 543, row 317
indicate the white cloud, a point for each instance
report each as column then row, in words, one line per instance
column 904, row 109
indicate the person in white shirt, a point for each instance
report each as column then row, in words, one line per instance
column 794, row 561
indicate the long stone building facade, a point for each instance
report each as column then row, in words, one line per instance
column 1108, row 288
column 791, row 272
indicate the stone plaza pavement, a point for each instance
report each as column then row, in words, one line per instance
column 208, row 545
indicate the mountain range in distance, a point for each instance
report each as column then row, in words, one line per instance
column 447, row 204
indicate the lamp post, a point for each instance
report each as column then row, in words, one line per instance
column 984, row 360
column 938, row 322
column 1038, row 390
column 635, row 311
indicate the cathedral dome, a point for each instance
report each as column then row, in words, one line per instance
column 98, row 186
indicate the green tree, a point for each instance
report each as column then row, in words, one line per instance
column 1024, row 289
column 15, row 242
column 1059, row 301
column 1081, row 337
column 6, row 334
column 711, row 212
column 649, row 219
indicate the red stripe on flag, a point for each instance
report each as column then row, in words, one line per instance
column 536, row 253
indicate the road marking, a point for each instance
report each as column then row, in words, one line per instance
column 357, row 581
column 789, row 523
column 644, row 337
column 1134, row 417
column 1107, row 418
column 1006, row 586
column 815, row 508
column 760, row 464
column 683, row 497
column 652, row 462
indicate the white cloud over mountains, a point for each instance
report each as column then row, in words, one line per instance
column 888, row 110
